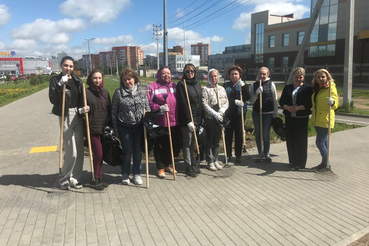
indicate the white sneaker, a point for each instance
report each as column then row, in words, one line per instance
column 211, row 167
column 137, row 180
column 75, row 184
column 64, row 185
column 218, row 166
column 125, row 179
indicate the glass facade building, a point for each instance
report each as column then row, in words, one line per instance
column 323, row 36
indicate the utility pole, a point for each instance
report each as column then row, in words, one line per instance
column 165, row 36
column 184, row 41
column 157, row 34
column 306, row 38
column 349, row 47
column 116, row 63
column 89, row 64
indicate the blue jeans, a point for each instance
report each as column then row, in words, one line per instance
column 322, row 143
column 130, row 139
column 267, row 124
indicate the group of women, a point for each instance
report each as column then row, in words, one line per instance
column 183, row 108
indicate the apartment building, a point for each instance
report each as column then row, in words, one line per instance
column 203, row 50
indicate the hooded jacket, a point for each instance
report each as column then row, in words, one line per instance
column 320, row 115
column 210, row 99
column 195, row 97
column 98, row 99
column 156, row 90
column 56, row 94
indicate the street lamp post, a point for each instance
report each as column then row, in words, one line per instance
column 89, row 66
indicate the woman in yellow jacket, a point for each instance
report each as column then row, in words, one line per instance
column 322, row 102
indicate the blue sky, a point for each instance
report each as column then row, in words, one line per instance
column 46, row 27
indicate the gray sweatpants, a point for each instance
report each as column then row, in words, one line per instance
column 73, row 146
column 188, row 142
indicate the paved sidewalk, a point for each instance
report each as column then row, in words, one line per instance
column 248, row 204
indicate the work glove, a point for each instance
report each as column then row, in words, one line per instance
column 164, row 108
column 191, row 127
column 238, row 103
column 258, row 91
column 218, row 117
column 330, row 101
column 241, row 83
column 64, row 80
column 222, row 111
column 84, row 110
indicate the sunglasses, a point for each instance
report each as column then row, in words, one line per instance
column 190, row 71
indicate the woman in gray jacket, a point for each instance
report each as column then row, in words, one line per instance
column 127, row 118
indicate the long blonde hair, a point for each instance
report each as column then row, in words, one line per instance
column 322, row 70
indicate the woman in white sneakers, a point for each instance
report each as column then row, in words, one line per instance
column 215, row 103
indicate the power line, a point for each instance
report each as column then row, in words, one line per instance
column 220, row 12
column 193, row 11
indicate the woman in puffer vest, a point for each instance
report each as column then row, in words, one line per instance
column 269, row 111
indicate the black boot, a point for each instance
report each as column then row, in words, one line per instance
column 189, row 171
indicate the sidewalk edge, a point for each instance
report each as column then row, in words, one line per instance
column 354, row 237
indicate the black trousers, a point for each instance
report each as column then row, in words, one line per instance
column 236, row 128
column 297, row 140
column 213, row 133
column 162, row 153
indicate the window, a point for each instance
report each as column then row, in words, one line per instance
column 271, row 41
column 258, row 59
column 259, row 42
column 300, row 37
column 325, row 29
column 271, row 64
column 285, row 39
column 284, row 64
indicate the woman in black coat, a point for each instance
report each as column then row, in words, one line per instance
column 188, row 128
column 296, row 103
column 98, row 99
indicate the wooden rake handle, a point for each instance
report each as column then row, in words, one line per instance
column 189, row 107
column 88, row 134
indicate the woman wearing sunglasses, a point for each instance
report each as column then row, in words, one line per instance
column 188, row 127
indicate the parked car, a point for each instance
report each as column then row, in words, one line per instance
column 2, row 77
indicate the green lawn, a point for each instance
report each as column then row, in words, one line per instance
column 10, row 92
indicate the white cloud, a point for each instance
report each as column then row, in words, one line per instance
column 242, row 22
column 22, row 44
column 120, row 40
column 2, row 46
column 279, row 8
column 192, row 37
column 48, row 31
column 146, row 28
column 179, row 13
column 4, row 14
column 151, row 48
column 98, row 11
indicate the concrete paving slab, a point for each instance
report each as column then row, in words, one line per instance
column 248, row 204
